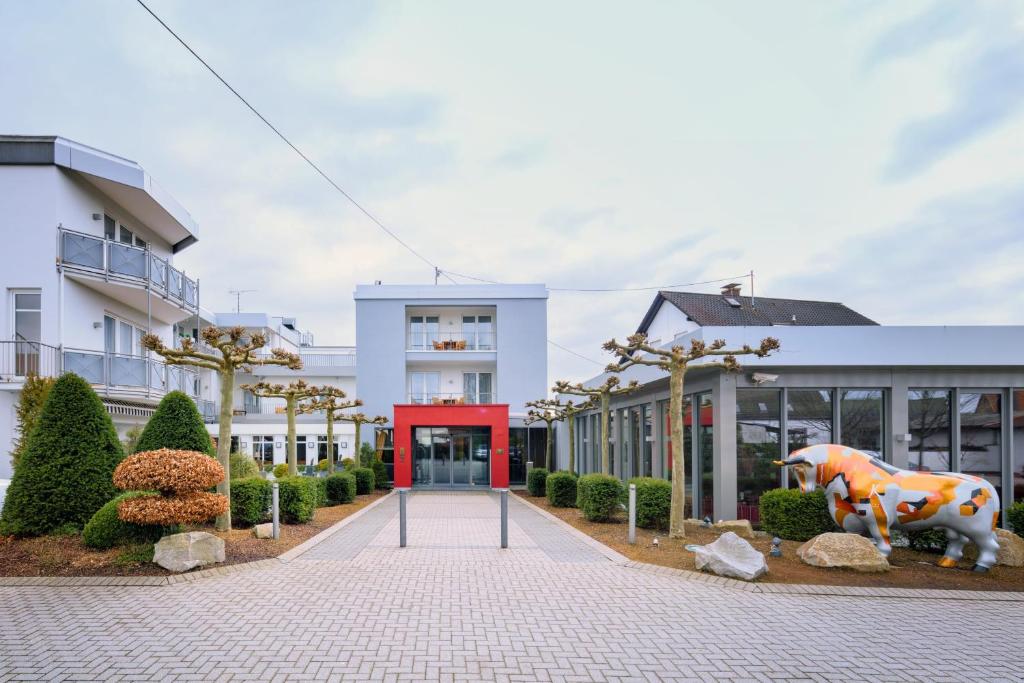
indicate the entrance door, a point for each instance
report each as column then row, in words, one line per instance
column 452, row 457
column 460, row 458
column 441, row 442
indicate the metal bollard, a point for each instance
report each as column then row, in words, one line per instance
column 276, row 505
column 504, row 518
column 632, row 513
column 401, row 517
column 529, row 466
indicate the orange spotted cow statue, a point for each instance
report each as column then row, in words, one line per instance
column 870, row 497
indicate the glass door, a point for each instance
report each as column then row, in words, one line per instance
column 460, row 445
column 481, row 465
column 441, row 443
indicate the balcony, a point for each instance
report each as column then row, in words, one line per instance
column 450, row 341
column 451, row 399
column 134, row 275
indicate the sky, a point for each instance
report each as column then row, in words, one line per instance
column 866, row 152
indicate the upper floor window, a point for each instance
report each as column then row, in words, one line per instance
column 112, row 230
column 424, row 331
column 478, row 332
column 424, row 387
column 122, row 337
column 477, row 387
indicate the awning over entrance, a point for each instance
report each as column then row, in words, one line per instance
column 451, row 445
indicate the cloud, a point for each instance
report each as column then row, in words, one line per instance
column 943, row 21
column 521, row 156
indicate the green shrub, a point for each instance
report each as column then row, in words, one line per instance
column 560, row 488
column 105, row 529
column 34, row 391
column 1015, row 517
column 653, row 502
column 536, row 480
column 280, row 470
column 348, row 464
column 243, row 466
column 297, row 499
column 322, row 465
column 341, row 488
column 135, row 555
column 176, row 424
column 364, row 480
column 65, row 474
column 250, row 500
column 321, row 491
column 927, row 540
column 366, row 455
column 597, row 496
column 380, row 474
column 795, row 516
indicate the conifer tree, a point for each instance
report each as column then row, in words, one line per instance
column 176, row 424
column 30, row 404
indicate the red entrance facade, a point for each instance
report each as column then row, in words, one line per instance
column 411, row 416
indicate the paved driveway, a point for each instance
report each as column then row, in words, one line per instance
column 452, row 606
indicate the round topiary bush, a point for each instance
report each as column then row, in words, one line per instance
column 298, row 498
column 176, row 424
column 1015, row 517
column 280, row 470
column 560, row 488
column 181, row 477
column 597, row 496
column 341, row 488
column 364, row 480
column 653, row 502
column 64, row 475
column 242, row 466
column 536, row 481
column 795, row 516
column 250, row 500
column 105, row 529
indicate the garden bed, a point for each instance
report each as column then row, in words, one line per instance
column 910, row 569
column 68, row 556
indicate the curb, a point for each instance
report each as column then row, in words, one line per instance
column 781, row 588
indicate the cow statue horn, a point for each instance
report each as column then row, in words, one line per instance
column 795, row 460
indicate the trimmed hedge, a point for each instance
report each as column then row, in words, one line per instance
column 1015, row 518
column 242, row 466
column 341, row 488
column 176, row 424
column 65, row 473
column 105, row 529
column 561, row 489
column 597, row 496
column 364, row 480
column 250, row 500
column 653, row 502
column 536, row 481
column 280, row 470
column 297, row 499
column 795, row 516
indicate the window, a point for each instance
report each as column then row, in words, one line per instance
column 758, row 444
column 424, row 386
column 122, row 337
column 423, row 332
column 861, row 420
column 28, row 330
column 809, row 418
column 477, row 387
column 387, row 454
column 263, row 449
column 109, row 227
column 981, row 443
column 478, row 332
column 126, row 236
column 931, row 439
column 1017, row 434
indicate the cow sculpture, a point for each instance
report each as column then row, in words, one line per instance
column 870, row 497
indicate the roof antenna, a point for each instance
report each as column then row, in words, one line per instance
column 238, row 297
column 437, row 274
column 753, row 305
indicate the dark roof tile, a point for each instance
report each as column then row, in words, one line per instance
column 713, row 310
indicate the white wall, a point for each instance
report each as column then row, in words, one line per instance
column 669, row 322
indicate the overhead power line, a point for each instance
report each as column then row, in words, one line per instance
column 288, row 142
column 610, row 289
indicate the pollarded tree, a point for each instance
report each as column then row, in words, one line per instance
column 675, row 361
column 331, row 401
column 601, row 395
column 292, row 394
column 549, row 415
column 232, row 349
column 359, row 419
column 569, row 411
column 64, row 475
column 177, row 425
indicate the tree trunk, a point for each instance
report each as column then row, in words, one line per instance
column 359, row 446
column 571, row 426
column 330, row 441
column 547, row 450
column 227, row 386
column 677, row 526
column 293, row 456
column 605, row 459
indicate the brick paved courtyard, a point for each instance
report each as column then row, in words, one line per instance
column 452, row 606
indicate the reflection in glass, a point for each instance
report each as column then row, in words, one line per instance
column 705, row 457
column 809, row 416
column 517, row 455
column 931, row 439
column 861, row 420
column 981, row 445
column 1017, row 422
column 758, row 441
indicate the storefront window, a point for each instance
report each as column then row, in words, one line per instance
column 1018, row 444
column 809, row 420
column 758, row 444
column 931, row 441
column 861, row 419
column 981, row 444
column 647, row 442
column 536, row 446
column 705, row 457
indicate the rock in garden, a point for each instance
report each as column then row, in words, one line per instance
column 263, row 530
column 181, row 552
column 740, row 527
column 731, row 556
column 1011, row 549
column 850, row 551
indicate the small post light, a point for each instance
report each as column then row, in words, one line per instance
column 776, row 550
column 706, row 522
column 655, row 543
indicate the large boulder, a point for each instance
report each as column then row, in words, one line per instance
column 741, row 527
column 849, row 551
column 731, row 556
column 1011, row 549
column 181, row 552
column 265, row 530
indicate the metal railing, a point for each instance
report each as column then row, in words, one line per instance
column 110, row 260
column 450, row 341
column 323, row 360
column 129, row 373
column 21, row 358
column 450, row 398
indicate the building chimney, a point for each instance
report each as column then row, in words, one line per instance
column 731, row 289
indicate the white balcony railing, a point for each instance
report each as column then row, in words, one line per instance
column 482, row 340
column 451, row 399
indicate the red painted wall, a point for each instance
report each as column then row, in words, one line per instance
column 493, row 415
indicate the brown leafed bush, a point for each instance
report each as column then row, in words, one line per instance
column 168, row 471
column 188, row 508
